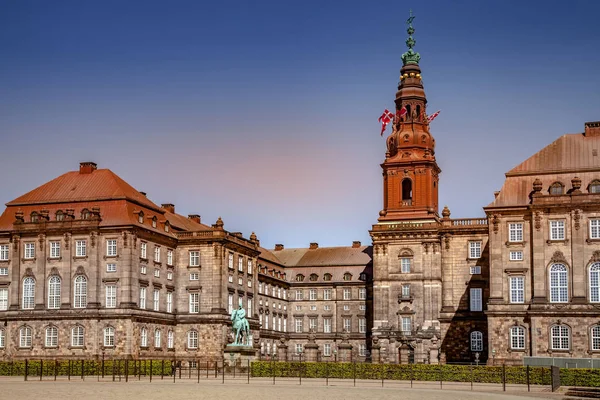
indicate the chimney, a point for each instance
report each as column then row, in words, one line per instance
column 169, row 207
column 278, row 247
column 87, row 167
column 314, row 246
column 193, row 217
column 592, row 129
column 356, row 244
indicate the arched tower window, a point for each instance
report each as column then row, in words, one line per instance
column 406, row 192
column 556, row 188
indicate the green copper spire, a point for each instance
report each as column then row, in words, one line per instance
column 411, row 56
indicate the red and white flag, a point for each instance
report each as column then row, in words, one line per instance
column 385, row 119
column 401, row 112
column 433, row 116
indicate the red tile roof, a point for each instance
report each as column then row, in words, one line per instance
column 324, row 256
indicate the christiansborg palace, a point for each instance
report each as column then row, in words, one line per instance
column 90, row 267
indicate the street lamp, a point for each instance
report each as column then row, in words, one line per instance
column 335, row 354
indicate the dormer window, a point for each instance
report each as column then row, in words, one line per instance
column 347, row 276
column 154, row 222
column 327, row 277
column 299, row 278
column 313, row 277
column 141, row 217
column 594, row 186
column 35, row 217
column 167, row 226
column 556, row 188
column 85, row 214
column 60, row 216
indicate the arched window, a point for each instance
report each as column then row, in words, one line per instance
column 54, row 292
column 77, row 336
column 144, row 338
column 517, row 338
column 347, row 276
column 51, row 336
column 109, row 336
column 167, row 226
column 85, row 214
column 157, row 338
column 557, row 188
column 80, row 292
column 2, row 338
column 313, row 277
column 476, row 341
column 327, row 277
column 594, row 186
column 406, row 192
column 60, row 216
column 559, row 284
column 141, row 217
column 28, row 293
column 35, row 217
column 595, row 283
column 25, row 337
column 154, row 220
column 595, row 337
column 560, row 337
column 192, row 339
column 170, row 340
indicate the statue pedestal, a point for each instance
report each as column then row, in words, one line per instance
column 345, row 352
column 376, row 354
column 311, row 351
column 282, row 352
column 238, row 355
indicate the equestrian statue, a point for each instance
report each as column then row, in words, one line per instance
column 240, row 326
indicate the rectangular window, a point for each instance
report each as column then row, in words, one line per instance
column 347, row 324
column 241, row 264
column 405, row 265
column 362, row 325
column 327, row 308
column 362, row 350
column 194, row 258
column 406, row 325
column 299, row 348
column 299, row 295
column 157, row 273
column 3, row 252
column 169, row 302
column 249, row 282
column 346, row 307
column 156, row 254
column 170, row 275
column 54, row 249
column 77, row 338
column 298, row 308
column 327, row 349
column 169, row 257
column 194, row 276
column 515, row 232
column 29, row 250
column 143, row 250
column 194, row 303
column 143, row 269
column 3, row 299
column 80, row 248
column 260, row 287
column 52, row 336
column 230, row 303
column 406, row 291
column 285, row 324
column 142, row 298
column 156, row 300
column 476, row 299
column 362, row 294
column 230, row 261
column 111, row 247
column 312, row 294
column 299, row 325
column 557, row 230
column 249, row 266
column 474, row 249
column 230, row 278
column 516, row 255
column 249, row 307
column 517, row 289
column 327, row 325
column 111, row 267
column 362, row 307
column 240, row 281
column 326, row 294
column 346, row 294
column 111, row 296
column 594, row 231
column 312, row 324
column 475, row 270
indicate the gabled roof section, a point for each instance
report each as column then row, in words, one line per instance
column 268, row 255
column 185, row 224
column 100, row 184
column 324, row 256
column 569, row 152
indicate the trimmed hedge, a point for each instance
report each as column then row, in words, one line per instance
column 90, row 367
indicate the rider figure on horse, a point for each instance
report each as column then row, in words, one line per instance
column 240, row 326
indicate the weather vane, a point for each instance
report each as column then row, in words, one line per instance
column 410, row 18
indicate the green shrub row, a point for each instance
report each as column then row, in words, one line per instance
column 90, row 367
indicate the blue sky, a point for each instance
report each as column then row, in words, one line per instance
column 265, row 113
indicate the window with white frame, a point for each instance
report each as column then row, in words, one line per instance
column 192, row 339
column 194, row 258
column 279, row 324
column 595, row 337
column 156, row 273
column 109, row 336
column 143, row 269
column 346, row 294
column 240, row 281
column 249, row 283
column 194, row 276
column 3, row 299
column 327, row 307
column 595, row 282
column 517, row 338
column 313, row 308
column 111, row 247
column 326, row 294
column 517, row 289
column 51, row 337
column 249, row 266
column 111, row 296
column 169, row 302
column 299, row 294
column 169, row 275
column 77, row 336
column 170, row 339
column 144, row 337
column 230, row 261
column 169, row 257
column 156, row 300
column 557, row 230
column 475, row 270
column 299, row 325
column 312, row 324
column 326, row 349
column 230, row 279
column 142, row 298
column 230, row 303
column 2, row 338
column 475, row 297
column 144, row 250
column 312, row 294
column 28, row 294
column 260, row 287
column 346, row 307
column 362, row 325
column 299, row 348
column 515, row 232
column 54, row 249
column 29, row 250
column 560, row 337
column 327, row 325
column 3, row 252
column 156, row 254
column 516, row 255
column 476, row 341
column 25, row 337
column 406, row 324
column 362, row 294
column 194, row 303
column 260, row 319
column 240, row 264
column 405, row 264
column 362, row 307
column 54, row 292
column 475, row 249
column 157, row 341
column 594, row 230
column 347, row 324
column 285, row 324
column 80, row 248
column 80, row 292
column 111, row 267
column 406, row 291
column 559, row 284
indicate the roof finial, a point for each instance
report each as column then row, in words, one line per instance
column 410, row 57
